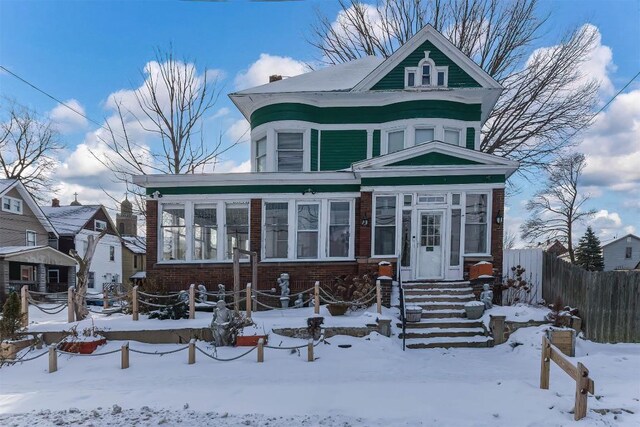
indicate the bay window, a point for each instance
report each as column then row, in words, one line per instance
column 395, row 141
column 276, row 230
column 205, row 232
column 385, row 226
column 424, row 135
column 475, row 233
column 237, row 227
column 261, row 154
column 339, row 229
column 452, row 136
column 290, row 151
column 307, row 238
column 173, row 230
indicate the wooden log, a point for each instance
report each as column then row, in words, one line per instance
column 582, row 388
column 192, row 351
column 192, row 301
column 53, row 359
column 105, row 299
column 316, row 298
column 71, row 308
column 248, row 301
column 134, row 303
column 379, row 296
column 24, row 305
column 564, row 364
column 124, row 356
column 261, row 350
column 236, row 279
column 310, row 357
column 545, row 364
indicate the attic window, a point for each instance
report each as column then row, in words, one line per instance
column 429, row 75
column 11, row 204
column 99, row 225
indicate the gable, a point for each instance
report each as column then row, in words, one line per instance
column 434, row 159
column 394, row 80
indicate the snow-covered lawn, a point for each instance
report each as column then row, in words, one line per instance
column 372, row 383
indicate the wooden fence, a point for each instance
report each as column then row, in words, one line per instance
column 531, row 261
column 608, row 302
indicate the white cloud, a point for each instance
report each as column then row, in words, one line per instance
column 239, row 131
column 258, row 73
column 230, row 166
column 66, row 120
column 221, row 113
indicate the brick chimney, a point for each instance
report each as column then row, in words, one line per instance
column 55, row 203
column 274, row 78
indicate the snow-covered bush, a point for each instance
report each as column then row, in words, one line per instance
column 11, row 320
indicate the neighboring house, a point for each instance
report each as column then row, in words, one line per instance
column 371, row 160
column 556, row 247
column 28, row 242
column 74, row 224
column 622, row 253
column 134, row 259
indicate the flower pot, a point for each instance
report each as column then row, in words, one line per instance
column 474, row 309
column 284, row 302
column 249, row 340
column 414, row 313
column 338, row 309
column 564, row 339
column 81, row 347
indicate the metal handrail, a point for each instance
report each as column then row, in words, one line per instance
column 403, row 312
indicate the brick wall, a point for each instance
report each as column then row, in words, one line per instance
column 152, row 234
column 497, row 230
column 363, row 233
column 255, row 226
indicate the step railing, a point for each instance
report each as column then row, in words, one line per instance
column 403, row 311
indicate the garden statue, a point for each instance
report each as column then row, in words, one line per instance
column 486, row 296
column 299, row 302
column 283, row 282
column 220, row 324
column 202, row 293
column 221, row 292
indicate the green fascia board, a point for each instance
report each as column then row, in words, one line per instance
column 341, row 148
column 433, row 180
column 394, row 80
column 367, row 114
column 256, row 189
column 434, row 159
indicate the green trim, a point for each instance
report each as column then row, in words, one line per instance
column 434, row 159
column 314, row 149
column 257, row 189
column 394, row 80
column 366, row 114
column 376, row 143
column 471, row 138
column 433, row 180
column 341, row 148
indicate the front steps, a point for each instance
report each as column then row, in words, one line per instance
column 444, row 323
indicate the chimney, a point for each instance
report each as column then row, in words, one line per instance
column 274, row 78
column 55, row 203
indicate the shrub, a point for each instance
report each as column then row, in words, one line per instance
column 11, row 320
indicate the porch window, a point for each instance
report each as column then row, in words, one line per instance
column 307, row 238
column 290, row 152
column 173, row 230
column 27, row 273
column 53, row 276
column 405, row 261
column 339, row 215
column 31, row 238
column 456, row 221
column 237, row 227
column 475, row 233
column 205, row 232
column 277, row 230
column 424, row 135
column 452, row 136
column 395, row 141
column 385, row 226
column 261, row 154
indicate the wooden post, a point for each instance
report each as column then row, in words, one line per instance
column 236, row 279
column 192, row 301
column 124, row 356
column 71, row 307
column 545, row 363
column 53, row 359
column 261, row 350
column 105, row 299
column 134, row 303
column 192, row 351
column 254, row 279
column 248, row 302
column 316, row 298
column 310, row 357
column 496, row 326
column 24, row 305
column 379, row 296
column 582, row 388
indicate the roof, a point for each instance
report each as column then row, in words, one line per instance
column 6, row 184
column 70, row 219
column 139, row 275
column 36, row 255
column 27, row 198
column 621, row 238
column 341, row 77
column 136, row 244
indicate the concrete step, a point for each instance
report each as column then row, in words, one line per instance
column 443, row 323
column 438, row 291
column 437, row 314
column 443, row 332
column 477, row 341
column 463, row 298
column 450, row 285
column 439, row 305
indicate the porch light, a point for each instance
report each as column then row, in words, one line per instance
column 309, row 190
column 365, row 220
column 499, row 218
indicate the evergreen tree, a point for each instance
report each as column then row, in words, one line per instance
column 11, row 317
column 588, row 253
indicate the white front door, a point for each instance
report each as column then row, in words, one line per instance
column 430, row 248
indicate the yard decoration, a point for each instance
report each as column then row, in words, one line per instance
column 350, row 292
column 474, row 309
column 517, row 289
column 314, row 326
column 283, row 283
column 486, row 297
column 220, row 324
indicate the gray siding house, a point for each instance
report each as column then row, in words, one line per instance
column 622, row 253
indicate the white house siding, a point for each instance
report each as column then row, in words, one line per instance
column 104, row 270
column 530, row 260
column 614, row 254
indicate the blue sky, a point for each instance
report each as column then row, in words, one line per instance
column 86, row 51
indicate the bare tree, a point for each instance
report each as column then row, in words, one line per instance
column 169, row 109
column 27, row 149
column 509, row 239
column 82, row 276
column 558, row 206
column 543, row 103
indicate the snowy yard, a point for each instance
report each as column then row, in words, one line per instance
column 372, row 383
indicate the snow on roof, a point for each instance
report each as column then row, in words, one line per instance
column 136, row 244
column 5, row 184
column 70, row 219
column 10, row 250
column 341, row 77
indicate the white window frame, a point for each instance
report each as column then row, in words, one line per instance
column 297, row 231
column 18, row 208
column 34, row 235
column 385, row 144
column 452, row 129
column 223, row 204
column 352, row 220
column 193, row 237
column 266, row 150
column 305, row 150
column 292, row 229
column 373, row 224
column 433, row 76
column 99, row 225
column 463, row 202
column 160, row 240
column 423, row 127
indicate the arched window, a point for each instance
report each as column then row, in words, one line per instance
column 426, row 74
